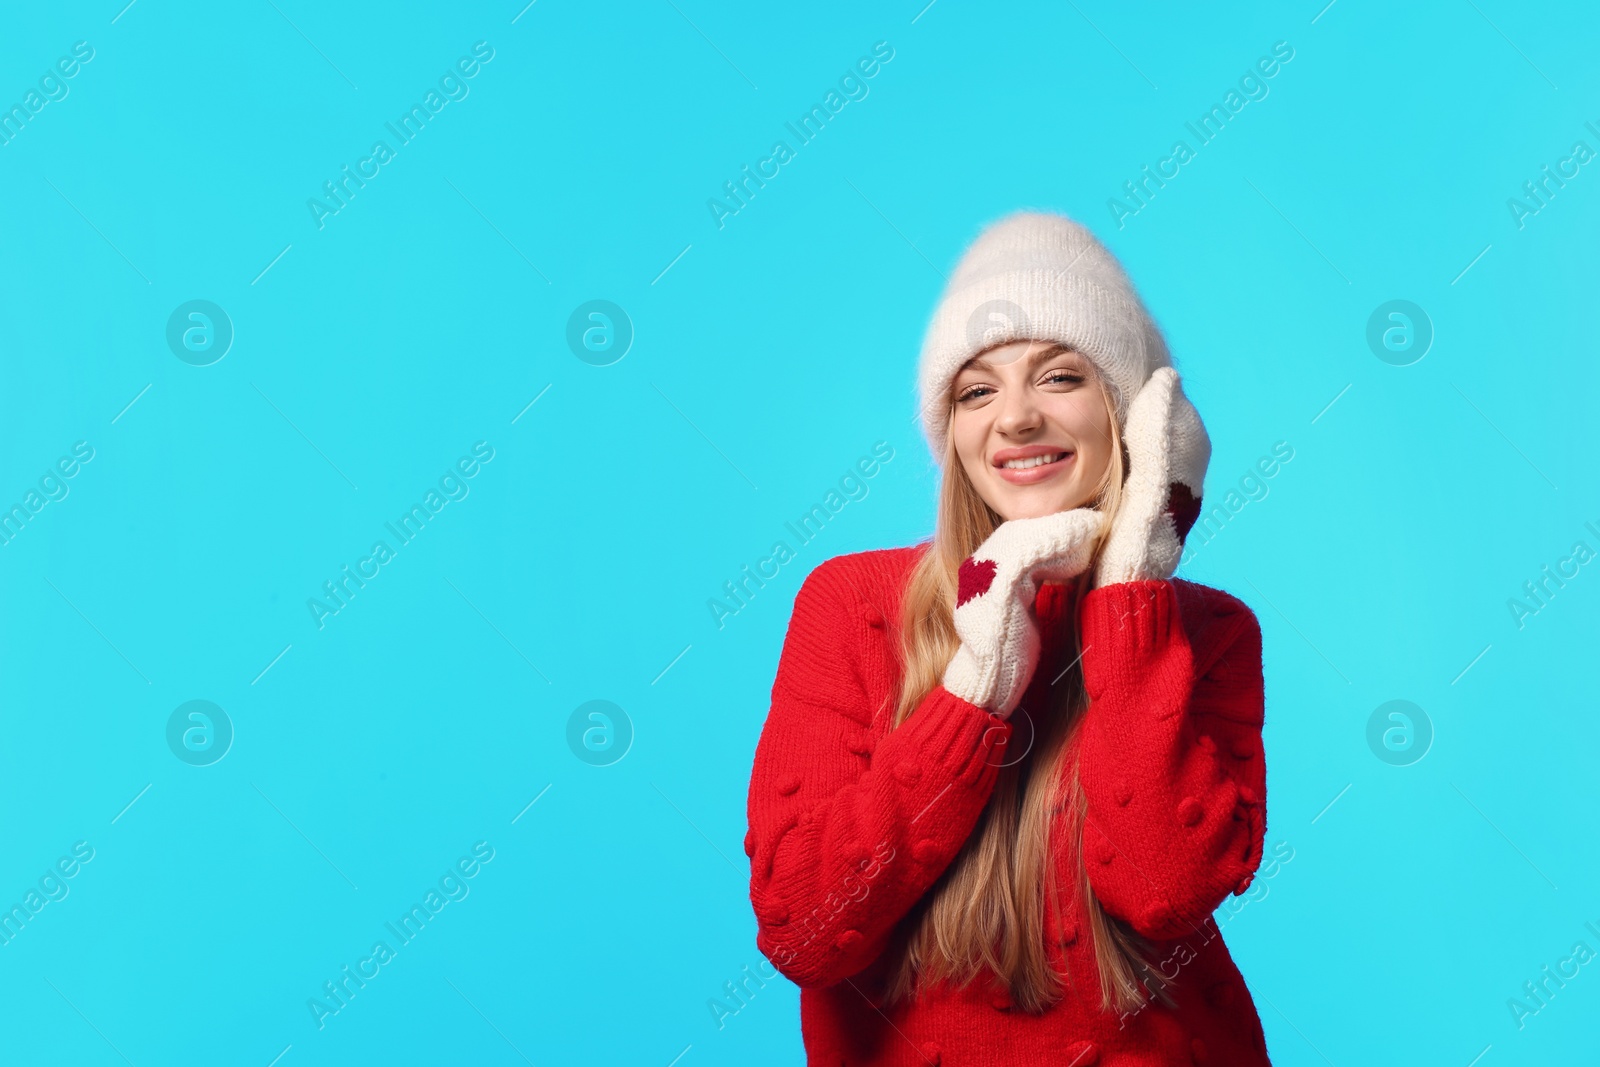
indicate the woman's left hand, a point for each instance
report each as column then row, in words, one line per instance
column 1168, row 450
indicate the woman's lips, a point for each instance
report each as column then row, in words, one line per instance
column 1034, row 475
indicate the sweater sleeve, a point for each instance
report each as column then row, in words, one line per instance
column 1171, row 759
column 850, row 825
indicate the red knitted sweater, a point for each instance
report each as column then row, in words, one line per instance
column 851, row 822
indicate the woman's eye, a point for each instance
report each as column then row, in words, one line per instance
column 1064, row 376
column 972, row 393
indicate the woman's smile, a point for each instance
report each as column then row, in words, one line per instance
column 1033, row 464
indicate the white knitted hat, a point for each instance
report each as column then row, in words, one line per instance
column 1037, row 276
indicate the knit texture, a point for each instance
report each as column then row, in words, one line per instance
column 850, row 823
column 1037, row 276
column 995, row 591
column 1168, row 450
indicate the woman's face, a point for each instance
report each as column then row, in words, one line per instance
column 1031, row 428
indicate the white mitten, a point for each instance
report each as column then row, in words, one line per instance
column 994, row 603
column 1167, row 455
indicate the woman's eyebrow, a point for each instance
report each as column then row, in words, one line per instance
column 1038, row 356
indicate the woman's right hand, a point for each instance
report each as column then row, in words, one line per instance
column 996, row 588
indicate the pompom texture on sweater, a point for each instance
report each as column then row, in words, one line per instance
column 851, row 823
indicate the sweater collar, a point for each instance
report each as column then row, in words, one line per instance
column 1052, row 605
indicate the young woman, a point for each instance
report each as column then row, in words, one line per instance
column 1008, row 774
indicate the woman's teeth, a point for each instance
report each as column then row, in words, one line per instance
column 1034, row 461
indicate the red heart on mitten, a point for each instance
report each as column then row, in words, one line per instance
column 1184, row 507
column 973, row 578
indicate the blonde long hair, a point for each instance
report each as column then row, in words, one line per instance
column 987, row 910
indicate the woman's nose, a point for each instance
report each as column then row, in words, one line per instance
column 1019, row 412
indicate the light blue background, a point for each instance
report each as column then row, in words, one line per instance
column 774, row 352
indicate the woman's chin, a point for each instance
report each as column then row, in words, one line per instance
column 1020, row 504
column 1034, row 506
